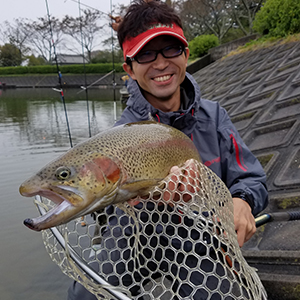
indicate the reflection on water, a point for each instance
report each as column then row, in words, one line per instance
column 33, row 131
column 42, row 120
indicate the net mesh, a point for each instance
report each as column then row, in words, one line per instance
column 177, row 243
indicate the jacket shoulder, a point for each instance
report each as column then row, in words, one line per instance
column 212, row 111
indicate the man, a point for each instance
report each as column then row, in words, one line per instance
column 156, row 54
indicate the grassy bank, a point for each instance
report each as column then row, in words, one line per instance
column 264, row 42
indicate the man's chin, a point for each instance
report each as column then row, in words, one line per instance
column 162, row 94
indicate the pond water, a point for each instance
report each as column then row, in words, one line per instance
column 33, row 131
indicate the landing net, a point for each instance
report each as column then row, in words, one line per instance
column 178, row 243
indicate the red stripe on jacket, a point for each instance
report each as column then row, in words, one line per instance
column 237, row 154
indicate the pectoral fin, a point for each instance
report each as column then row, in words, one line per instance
column 141, row 185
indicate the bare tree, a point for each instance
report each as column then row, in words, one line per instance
column 243, row 13
column 205, row 16
column 16, row 34
column 84, row 30
column 44, row 36
column 191, row 14
column 217, row 16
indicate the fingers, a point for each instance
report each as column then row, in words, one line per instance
column 134, row 201
column 183, row 182
column 243, row 220
column 244, row 233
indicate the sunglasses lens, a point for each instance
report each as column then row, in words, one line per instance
column 146, row 56
column 151, row 55
column 172, row 51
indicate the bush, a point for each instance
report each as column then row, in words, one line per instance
column 200, row 45
column 36, row 61
column 232, row 34
column 10, row 56
column 67, row 69
column 13, row 70
column 278, row 18
column 47, row 69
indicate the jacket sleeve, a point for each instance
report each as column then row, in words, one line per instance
column 241, row 170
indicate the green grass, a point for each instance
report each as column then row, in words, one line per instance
column 264, row 42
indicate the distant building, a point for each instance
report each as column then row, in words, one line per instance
column 70, row 59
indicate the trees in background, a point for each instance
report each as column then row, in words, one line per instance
column 217, row 17
column 205, row 17
column 226, row 19
column 84, row 30
column 41, row 34
column 16, row 34
column 278, row 18
column 10, row 56
column 38, row 39
column 243, row 13
column 35, row 61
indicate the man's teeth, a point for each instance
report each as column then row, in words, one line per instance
column 162, row 78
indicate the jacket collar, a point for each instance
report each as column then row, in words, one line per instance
column 183, row 119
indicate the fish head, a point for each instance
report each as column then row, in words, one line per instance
column 76, row 185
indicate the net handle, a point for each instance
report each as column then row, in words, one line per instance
column 76, row 258
column 277, row 216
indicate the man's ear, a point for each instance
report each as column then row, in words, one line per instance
column 187, row 54
column 127, row 68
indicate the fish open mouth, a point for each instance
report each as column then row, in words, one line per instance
column 53, row 217
column 35, row 223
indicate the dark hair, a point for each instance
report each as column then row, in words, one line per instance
column 143, row 13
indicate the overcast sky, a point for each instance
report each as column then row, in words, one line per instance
column 32, row 9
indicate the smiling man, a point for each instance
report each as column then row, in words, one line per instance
column 156, row 54
column 159, row 68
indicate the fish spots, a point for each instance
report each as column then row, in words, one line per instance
column 135, row 156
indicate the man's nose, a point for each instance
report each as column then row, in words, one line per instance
column 160, row 62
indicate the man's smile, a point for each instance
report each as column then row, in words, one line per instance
column 162, row 78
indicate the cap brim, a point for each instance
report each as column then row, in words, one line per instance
column 133, row 45
column 147, row 39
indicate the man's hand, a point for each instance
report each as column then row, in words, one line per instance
column 115, row 25
column 183, row 179
column 187, row 179
column 244, row 221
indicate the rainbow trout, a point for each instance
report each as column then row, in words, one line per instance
column 114, row 166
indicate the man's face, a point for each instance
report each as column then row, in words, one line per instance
column 160, row 79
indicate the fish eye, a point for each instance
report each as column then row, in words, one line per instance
column 62, row 173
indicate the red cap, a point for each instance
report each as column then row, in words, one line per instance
column 133, row 45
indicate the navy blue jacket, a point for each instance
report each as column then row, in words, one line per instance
column 217, row 140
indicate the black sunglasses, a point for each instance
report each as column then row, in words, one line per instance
column 151, row 55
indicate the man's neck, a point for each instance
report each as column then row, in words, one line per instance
column 165, row 105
